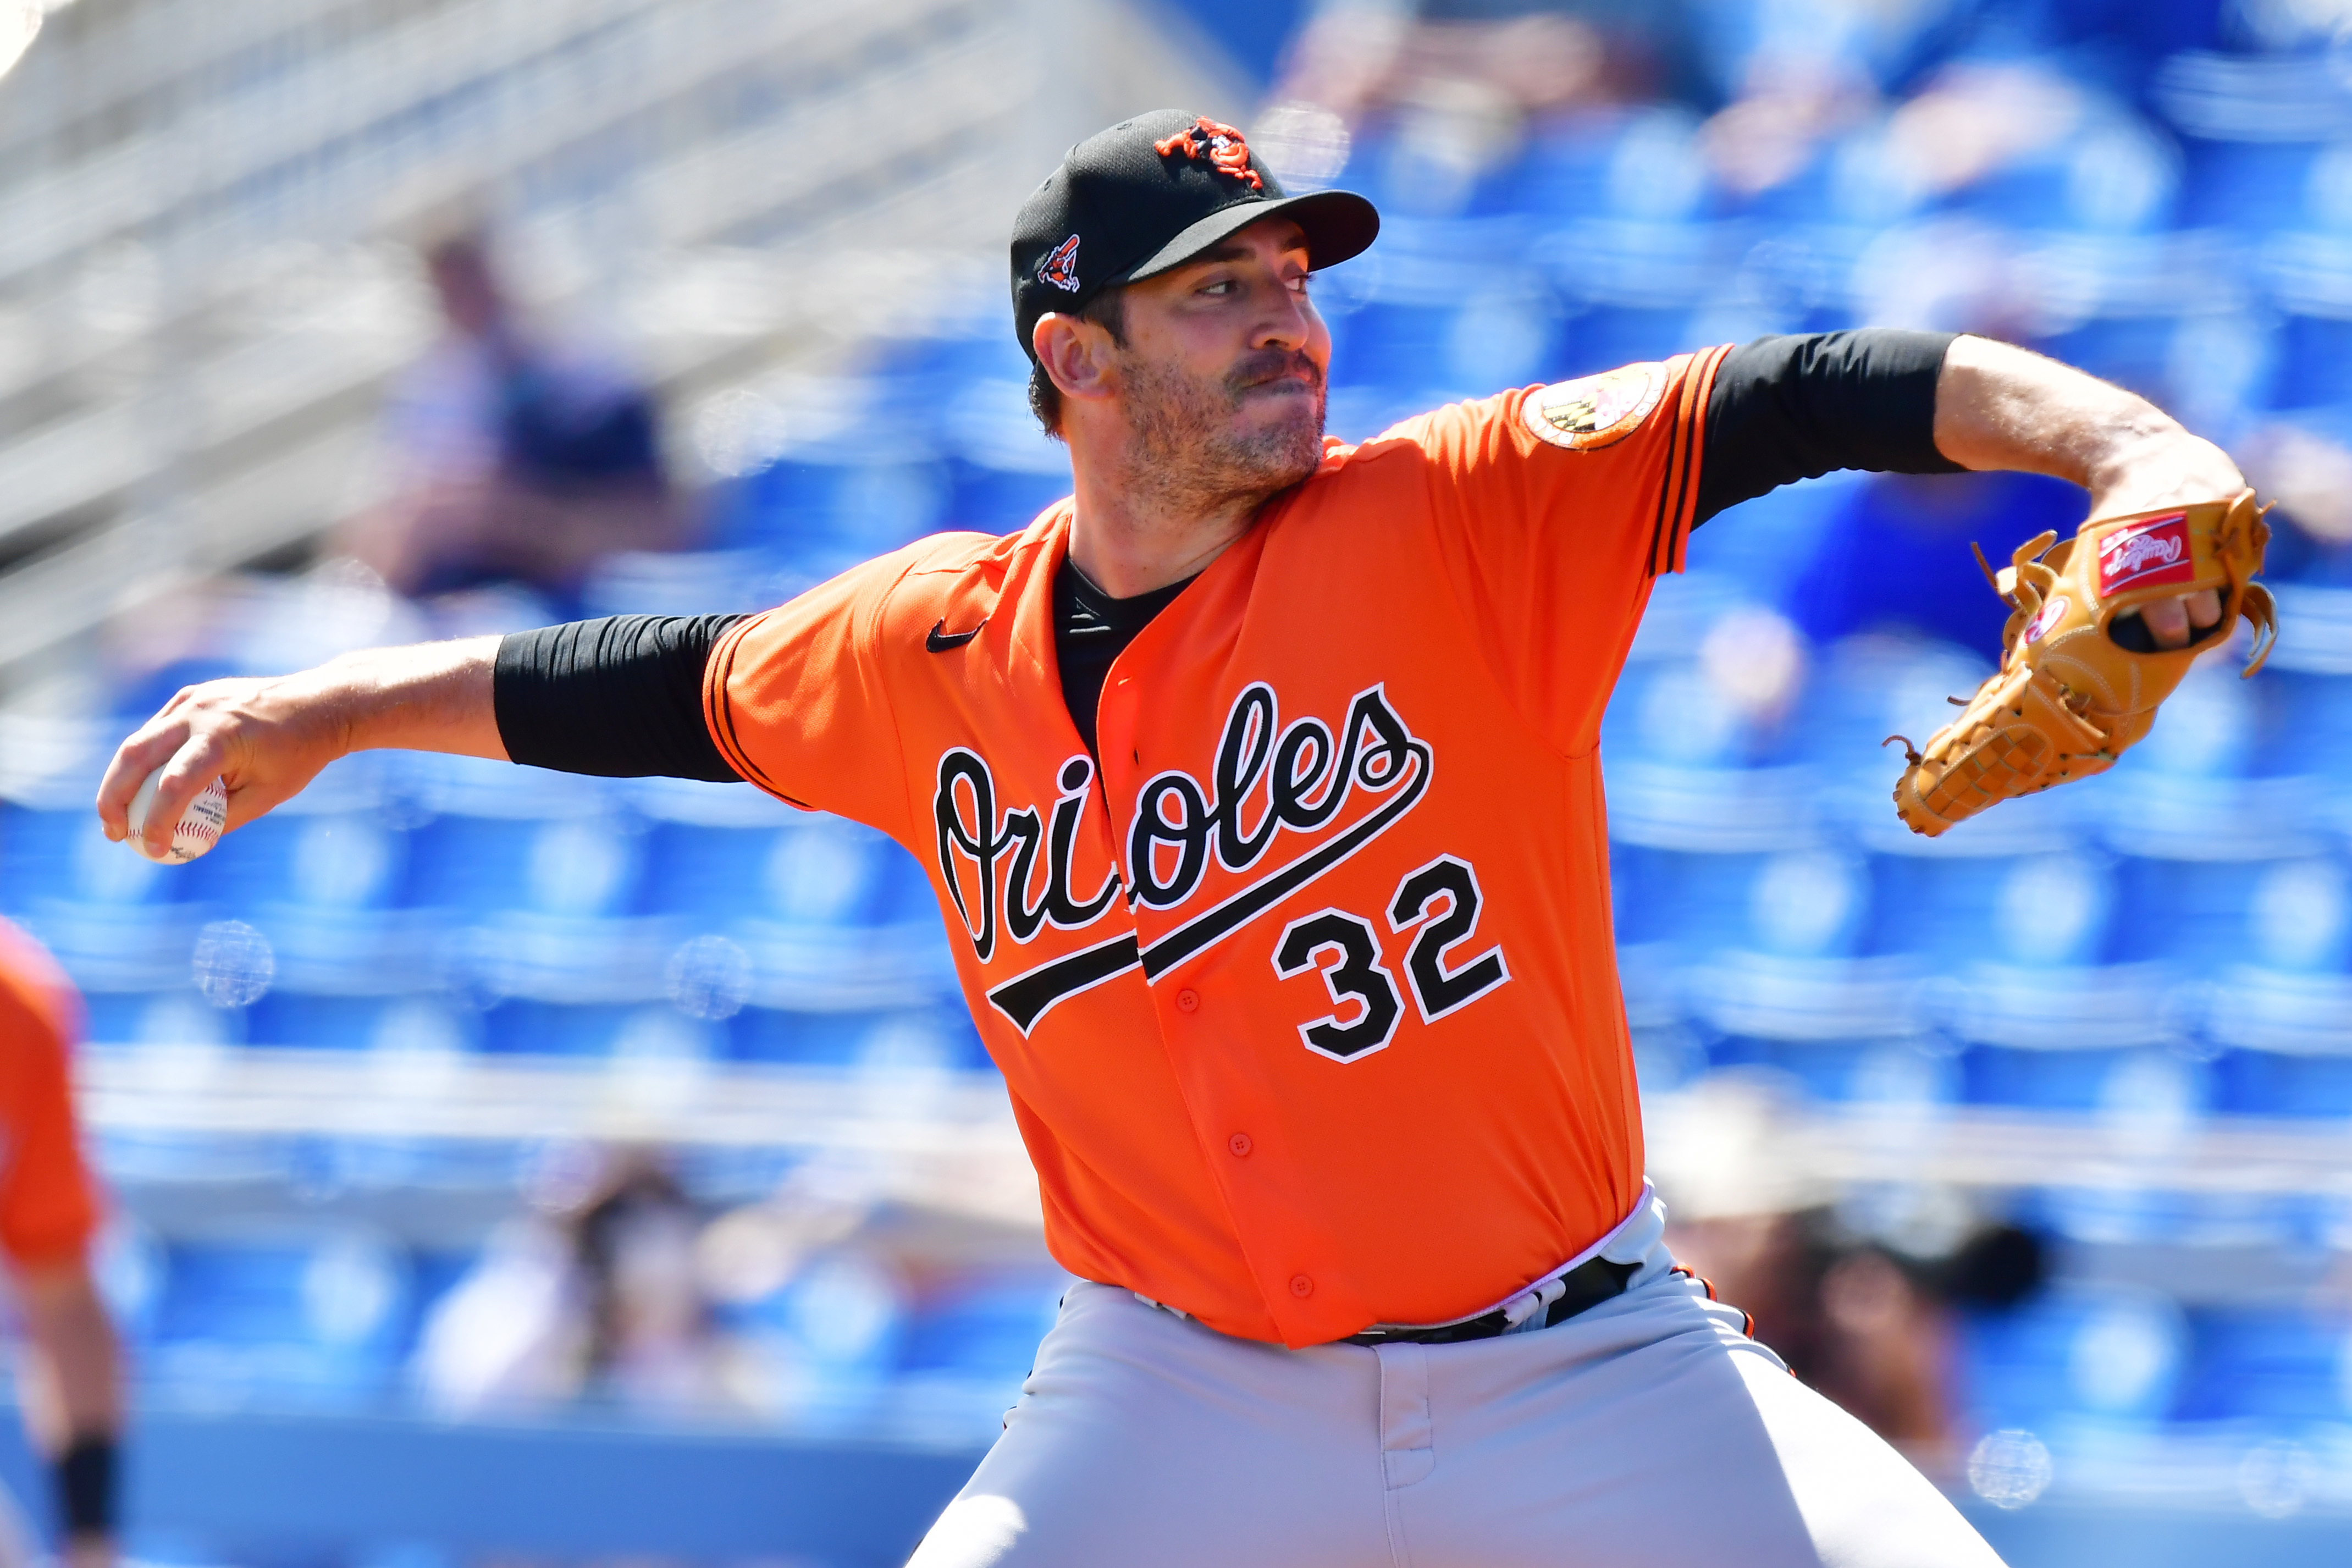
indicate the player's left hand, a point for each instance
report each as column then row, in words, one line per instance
column 2168, row 467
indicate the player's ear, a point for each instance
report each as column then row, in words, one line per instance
column 1076, row 354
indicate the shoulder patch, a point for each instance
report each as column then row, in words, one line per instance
column 1595, row 411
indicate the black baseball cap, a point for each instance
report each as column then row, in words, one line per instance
column 1150, row 194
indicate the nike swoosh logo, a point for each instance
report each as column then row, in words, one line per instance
column 938, row 640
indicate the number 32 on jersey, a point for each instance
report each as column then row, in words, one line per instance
column 1438, row 905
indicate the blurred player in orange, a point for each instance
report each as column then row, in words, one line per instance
column 49, row 1213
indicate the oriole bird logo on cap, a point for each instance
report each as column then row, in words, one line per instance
column 1060, row 267
column 1220, row 145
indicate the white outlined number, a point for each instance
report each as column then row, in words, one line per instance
column 1436, row 989
column 1442, row 899
column 1347, row 950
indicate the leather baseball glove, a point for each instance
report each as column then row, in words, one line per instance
column 2072, row 694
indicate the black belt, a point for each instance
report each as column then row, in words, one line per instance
column 1589, row 1283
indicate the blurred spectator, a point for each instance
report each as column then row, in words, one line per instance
column 1872, row 1321
column 1889, row 1344
column 1460, row 90
column 48, row 1215
column 1873, row 1326
column 634, row 1246
column 603, row 1300
column 516, row 458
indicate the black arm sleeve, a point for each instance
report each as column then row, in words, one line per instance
column 621, row 697
column 1789, row 408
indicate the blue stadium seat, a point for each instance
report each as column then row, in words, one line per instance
column 131, row 1266
column 2287, row 913
column 496, row 837
column 2113, row 1356
column 2286, row 1041
column 320, row 1318
column 829, row 504
column 2122, row 304
column 716, row 1177
column 2274, row 1367
column 1003, row 468
column 1691, row 848
column 1446, row 309
column 1642, row 164
column 325, row 860
column 132, row 1159
column 2083, row 1039
column 1636, row 291
column 566, row 985
column 708, row 848
column 2253, row 126
column 343, row 977
column 2307, row 686
column 473, row 1167
column 1847, row 1031
column 877, row 1033
column 133, row 963
column 838, row 1328
column 59, row 853
column 687, row 583
column 967, row 1353
column 2263, row 187
column 980, row 348
column 2003, row 884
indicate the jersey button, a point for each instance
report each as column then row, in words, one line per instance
column 1240, row 1144
column 1188, row 1000
column 1301, row 1286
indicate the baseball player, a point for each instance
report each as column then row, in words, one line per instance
column 1257, row 783
column 48, row 1213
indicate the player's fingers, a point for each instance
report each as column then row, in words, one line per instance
column 192, row 767
column 2168, row 623
column 2204, row 608
column 148, row 748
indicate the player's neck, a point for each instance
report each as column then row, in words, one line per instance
column 1135, row 532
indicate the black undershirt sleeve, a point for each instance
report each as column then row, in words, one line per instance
column 620, row 697
column 1789, row 408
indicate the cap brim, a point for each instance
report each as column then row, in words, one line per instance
column 1338, row 225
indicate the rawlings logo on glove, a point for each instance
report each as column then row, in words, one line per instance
column 2146, row 554
column 2069, row 698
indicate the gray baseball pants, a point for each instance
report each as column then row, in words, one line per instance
column 1647, row 1429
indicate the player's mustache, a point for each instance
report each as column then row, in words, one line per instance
column 1270, row 366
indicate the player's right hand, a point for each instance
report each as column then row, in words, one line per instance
column 264, row 739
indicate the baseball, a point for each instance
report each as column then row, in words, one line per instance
column 200, row 824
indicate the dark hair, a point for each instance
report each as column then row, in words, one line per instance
column 1107, row 310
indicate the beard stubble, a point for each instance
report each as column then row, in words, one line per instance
column 1184, row 455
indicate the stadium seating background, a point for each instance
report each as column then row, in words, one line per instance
column 2150, row 951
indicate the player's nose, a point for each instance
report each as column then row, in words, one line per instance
column 1286, row 321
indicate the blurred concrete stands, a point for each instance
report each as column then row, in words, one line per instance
column 199, row 299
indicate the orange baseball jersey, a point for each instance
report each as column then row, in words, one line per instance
column 47, row 1209
column 1306, row 997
